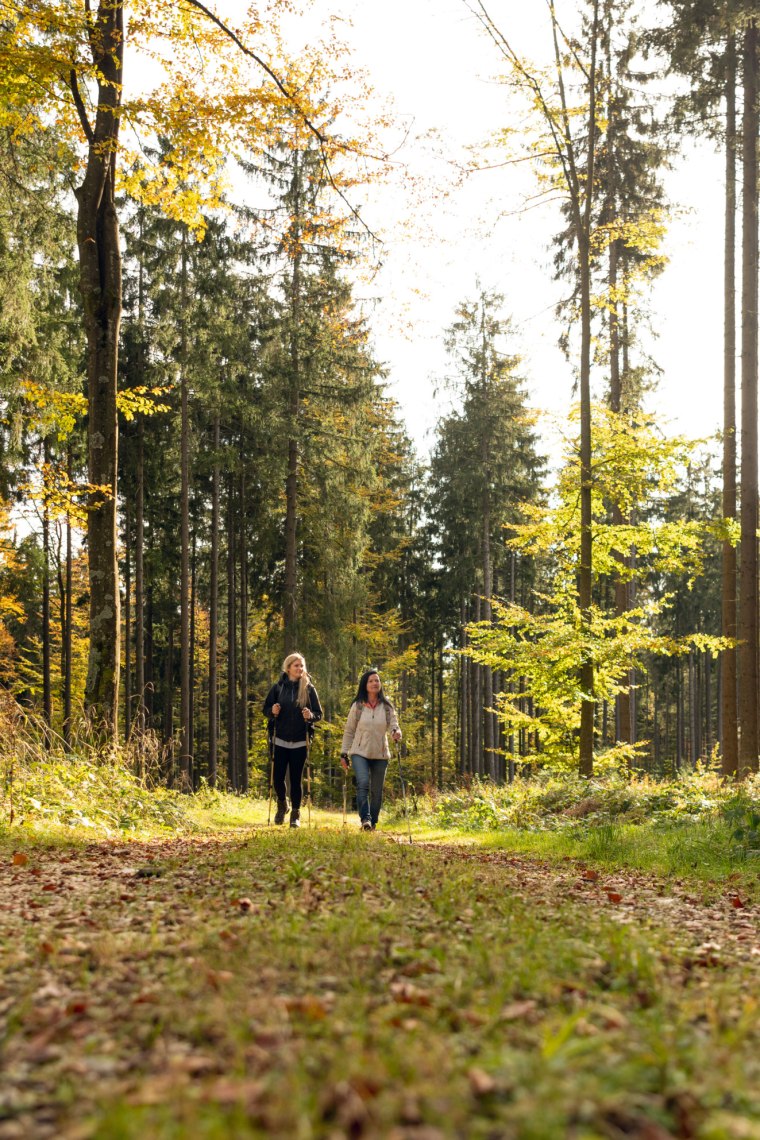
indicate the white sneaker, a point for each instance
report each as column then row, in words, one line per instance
column 366, row 825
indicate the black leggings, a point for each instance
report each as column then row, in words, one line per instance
column 296, row 758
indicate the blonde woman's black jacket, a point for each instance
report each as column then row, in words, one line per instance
column 289, row 724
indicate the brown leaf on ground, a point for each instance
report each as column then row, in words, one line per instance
column 481, row 1082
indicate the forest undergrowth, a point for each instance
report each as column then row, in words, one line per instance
column 204, row 975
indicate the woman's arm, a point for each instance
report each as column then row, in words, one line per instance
column 314, row 705
column 271, row 699
column 393, row 724
column 350, row 730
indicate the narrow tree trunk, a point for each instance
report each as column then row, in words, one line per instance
column 100, row 282
column 47, row 692
column 67, row 624
column 150, row 670
column 185, row 758
column 293, row 409
column 432, row 718
column 477, row 709
column 440, row 717
column 243, row 736
column 748, row 595
column 728, row 680
column 213, row 683
column 140, row 678
column 464, row 672
column 169, row 706
column 232, row 775
column 127, row 624
column 191, row 712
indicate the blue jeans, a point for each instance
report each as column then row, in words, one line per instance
column 370, row 777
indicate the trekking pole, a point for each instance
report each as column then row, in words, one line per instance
column 271, row 779
column 403, row 791
column 345, row 793
column 308, row 778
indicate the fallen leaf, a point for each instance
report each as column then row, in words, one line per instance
column 20, row 859
column 517, row 1010
column 614, row 897
column 481, row 1082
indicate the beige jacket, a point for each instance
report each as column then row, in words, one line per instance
column 366, row 731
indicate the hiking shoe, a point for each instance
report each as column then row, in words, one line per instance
column 366, row 825
column 295, row 817
column 282, row 811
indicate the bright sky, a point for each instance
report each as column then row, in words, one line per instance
column 432, row 59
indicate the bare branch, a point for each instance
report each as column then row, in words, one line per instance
column 321, row 138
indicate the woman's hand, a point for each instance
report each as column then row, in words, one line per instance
column 344, row 762
column 396, row 735
column 275, row 710
column 307, row 714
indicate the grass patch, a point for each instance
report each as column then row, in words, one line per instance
column 325, row 983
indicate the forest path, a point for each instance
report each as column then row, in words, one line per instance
column 329, row 984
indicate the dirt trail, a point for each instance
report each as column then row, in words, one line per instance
column 93, row 939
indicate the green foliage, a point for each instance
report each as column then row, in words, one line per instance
column 635, row 469
column 82, row 791
column 742, row 813
column 571, row 803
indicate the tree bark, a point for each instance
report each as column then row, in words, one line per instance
column 100, row 282
column 748, row 590
column 728, row 679
column 140, row 679
column 290, row 609
column 47, row 692
column 213, row 683
column 231, row 644
column 243, row 733
column 127, row 625
column 185, row 758
column 68, row 617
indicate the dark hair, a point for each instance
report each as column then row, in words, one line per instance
column 362, row 694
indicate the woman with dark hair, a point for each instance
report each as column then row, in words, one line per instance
column 293, row 707
column 365, row 740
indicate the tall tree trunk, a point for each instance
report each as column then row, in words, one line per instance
column 728, row 680
column 191, row 713
column 127, row 624
column 67, row 623
column 150, row 670
column 432, row 717
column 232, row 770
column 477, row 708
column 440, row 717
column 748, row 593
column 100, row 282
column 140, row 678
column 581, row 193
column 243, row 734
column 185, row 758
column 213, row 683
column 464, row 672
column 290, row 613
column 47, row 692
column 169, row 705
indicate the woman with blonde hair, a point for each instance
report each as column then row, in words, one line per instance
column 293, row 707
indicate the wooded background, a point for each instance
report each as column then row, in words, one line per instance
column 202, row 469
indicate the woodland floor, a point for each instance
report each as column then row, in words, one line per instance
column 324, row 983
